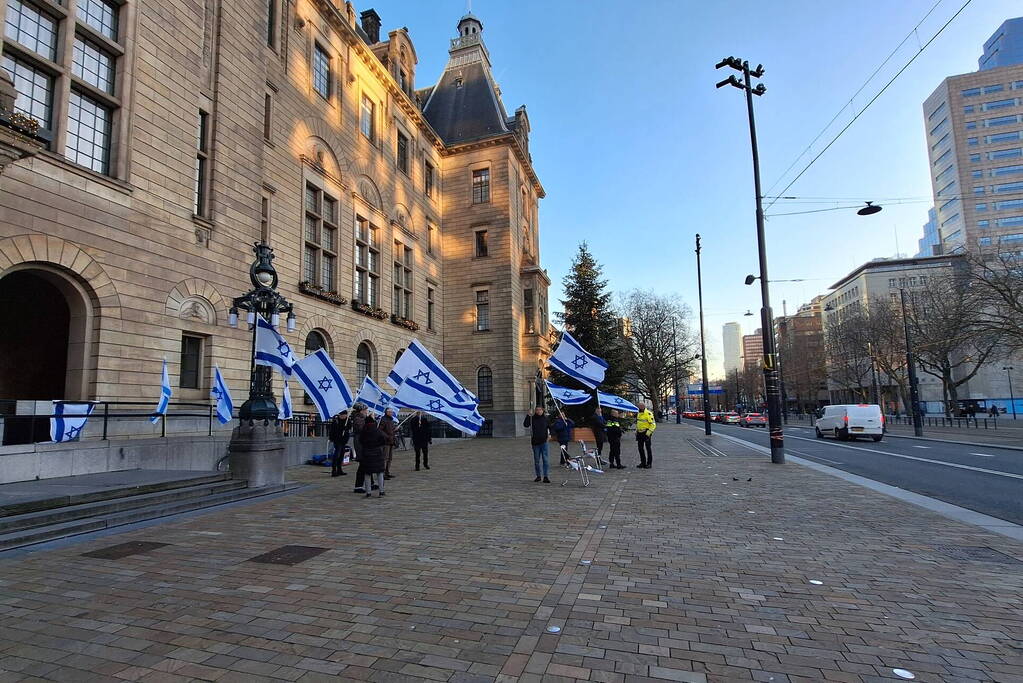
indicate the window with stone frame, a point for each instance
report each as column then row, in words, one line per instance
column 481, row 186
column 200, row 202
column 482, row 246
column 428, row 178
column 319, row 261
column 529, row 310
column 321, row 72
column 401, row 153
column 367, row 118
column 482, row 310
column 191, row 374
column 85, row 77
column 367, row 263
column 485, row 385
column 363, row 363
column 401, row 302
column 430, row 311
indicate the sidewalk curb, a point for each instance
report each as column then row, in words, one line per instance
column 959, row 514
column 889, row 435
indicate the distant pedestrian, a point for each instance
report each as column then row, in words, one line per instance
column 389, row 426
column 421, row 438
column 339, row 432
column 373, row 460
column 614, row 440
column 539, row 432
column 645, row 426
column 993, row 412
column 358, row 424
column 563, row 429
column 598, row 426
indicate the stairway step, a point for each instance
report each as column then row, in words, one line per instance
column 17, row 539
column 70, row 513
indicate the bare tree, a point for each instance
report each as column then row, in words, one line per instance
column 996, row 285
column 886, row 343
column 804, row 367
column 661, row 346
column 848, row 353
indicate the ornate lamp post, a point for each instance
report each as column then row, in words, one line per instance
column 263, row 299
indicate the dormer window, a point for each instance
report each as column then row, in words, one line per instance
column 458, row 82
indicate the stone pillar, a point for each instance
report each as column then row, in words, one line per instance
column 256, row 453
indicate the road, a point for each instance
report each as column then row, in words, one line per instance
column 985, row 478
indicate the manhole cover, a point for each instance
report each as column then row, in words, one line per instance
column 289, row 554
column 122, row 550
column 976, row 553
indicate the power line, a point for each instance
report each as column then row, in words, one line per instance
column 872, row 100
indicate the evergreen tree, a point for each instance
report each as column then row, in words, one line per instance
column 590, row 317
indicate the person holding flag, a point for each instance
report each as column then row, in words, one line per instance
column 421, row 438
column 539, row 432
column 339, row 432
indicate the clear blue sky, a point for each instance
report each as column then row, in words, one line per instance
column 638, row 152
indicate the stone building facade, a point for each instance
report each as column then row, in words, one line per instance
column 178, row 134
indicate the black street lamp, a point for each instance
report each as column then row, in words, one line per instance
column 703, row 345
column 263, row 299
column 1012, row 398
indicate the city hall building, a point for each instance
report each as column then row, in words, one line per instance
column 178, row 134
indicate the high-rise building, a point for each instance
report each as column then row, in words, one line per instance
column 753, row 350
column 926, row 245
column 180, row 133
column 974, row 125
column 1004, row 47
column 731, row 338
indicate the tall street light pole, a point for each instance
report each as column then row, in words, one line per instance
column 1012, row 398
column 703, row 344
column 772, row 385
column 914, row 388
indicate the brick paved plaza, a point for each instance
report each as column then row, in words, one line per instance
column 693, row 574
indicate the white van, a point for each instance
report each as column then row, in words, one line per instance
column 846, row 422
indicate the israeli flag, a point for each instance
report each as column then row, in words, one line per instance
column 576, row 362
column 271, row 348
column 376, row 399
column 324, row 383
column 418, row 364
column 165, row 396
column 568, row 397
column 69, row 420
column 616, row 402
column 222, row 395
column 460, row 415
column 284, row 411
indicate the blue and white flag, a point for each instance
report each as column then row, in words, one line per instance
column 324, row 383
column 576, row 362
column 460, row 415
column 616, row 402
column 284, row 411
column 271, row 348
column 68, row 420
column 569, row 397
column 376, row 399
column 165, row 396
column 222, row 395
column 418, row 364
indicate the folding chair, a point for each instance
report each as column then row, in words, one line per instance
column 579, row 464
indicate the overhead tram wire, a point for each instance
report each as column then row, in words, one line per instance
column 872, row 100
column 854, row 95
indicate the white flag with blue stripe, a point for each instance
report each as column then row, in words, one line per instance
column 569, row 397
column 460, row 415
column 616, row 402
column 284, row 411
column 418, row 364
column 576, row 362
column 324, row 383
column 222, row 395
column 376, row 399
column 69, row 420
column 165, row 395
column 271, row 348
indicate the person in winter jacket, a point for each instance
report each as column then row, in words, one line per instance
column 339, row 432
column 539, row 432
column 598, row 425
column 373, row 459
column 645, row 426
column 614, row 440
column 358, row 422
column 563, row 429
column 389, row 426
column 421, row 438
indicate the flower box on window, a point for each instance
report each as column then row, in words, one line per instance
column 404, row 322
column 313, row 289
column 366, row 309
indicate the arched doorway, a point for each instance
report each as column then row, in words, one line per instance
column 34, row 345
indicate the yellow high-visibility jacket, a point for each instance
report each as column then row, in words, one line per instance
column 645, row 422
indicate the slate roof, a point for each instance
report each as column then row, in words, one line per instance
column 465, row 112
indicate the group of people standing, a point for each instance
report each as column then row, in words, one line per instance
column 373, row 444
column 605, row 431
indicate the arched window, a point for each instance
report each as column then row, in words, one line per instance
column 314, row 341
column 363, row 363
column 485, row 385
column 398, row 355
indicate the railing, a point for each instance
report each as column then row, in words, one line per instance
column 951, row 422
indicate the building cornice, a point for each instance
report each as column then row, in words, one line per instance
column 497, row 140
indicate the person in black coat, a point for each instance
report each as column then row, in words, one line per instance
column 421, row 438
column 614, row 440
column 373, row 459
column 597, row 424
column 339, row 431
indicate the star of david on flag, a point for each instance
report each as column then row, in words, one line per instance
column 68, row 420
column 272, row 349
column 222, row 395
column 418, row 364
column 576, row 362
column 568, row 397
column 165, row 395
column 375, row 398
column 415, row 396
column 323, row 383
column 616, row 402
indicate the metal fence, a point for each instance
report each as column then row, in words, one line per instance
column 952, row 422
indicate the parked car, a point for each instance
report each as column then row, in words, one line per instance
column 715, row 416
column 753, row 420
column 846, row 422
column 730, row 418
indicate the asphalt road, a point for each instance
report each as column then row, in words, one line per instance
column 986, row 478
